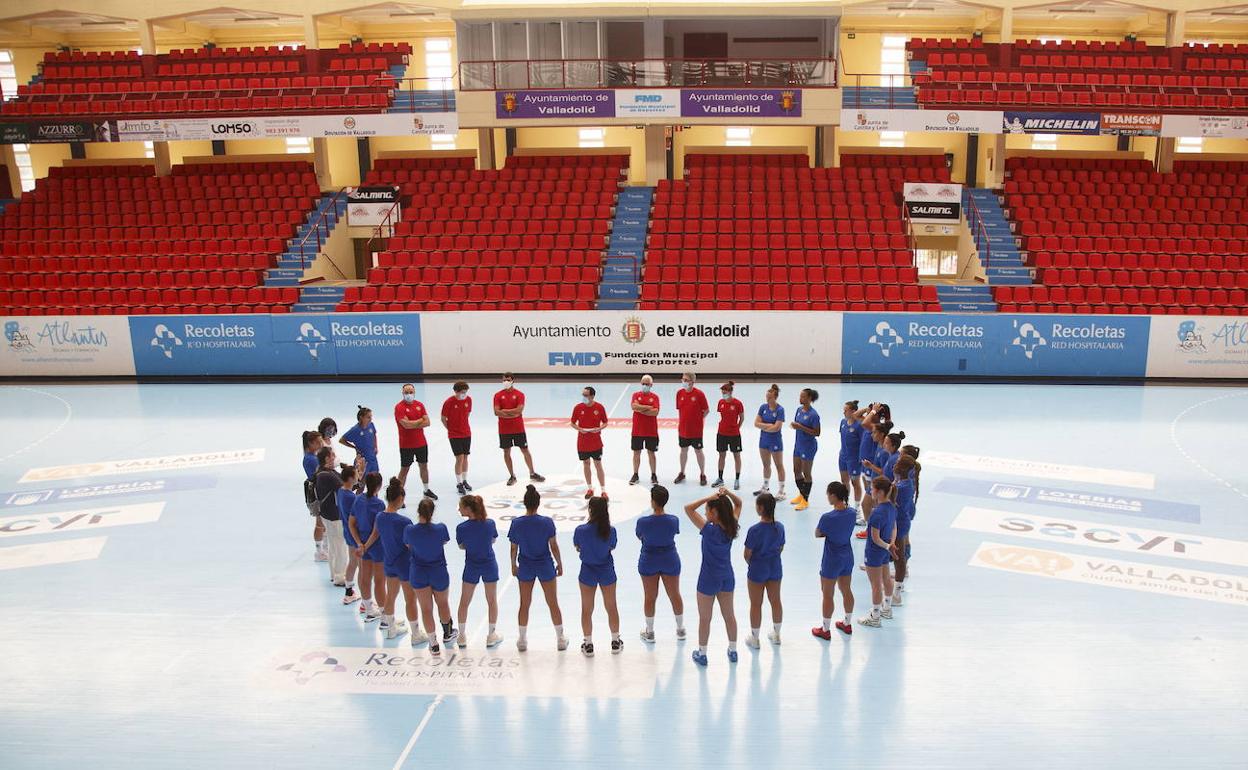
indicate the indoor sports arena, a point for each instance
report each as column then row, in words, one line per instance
column 678, row 384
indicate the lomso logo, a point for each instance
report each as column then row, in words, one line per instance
column 1029, row 339
column 886, row 338
column 233, row 129
column 311, row 339
column 165, row 340
column 561, row 358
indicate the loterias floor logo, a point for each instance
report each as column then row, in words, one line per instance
column 542, row 673
column 563, row 499
column 143, row 464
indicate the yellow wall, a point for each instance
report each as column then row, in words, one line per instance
column 564, row 137
column 764, row 136
column 46, row 156
column 937, row 142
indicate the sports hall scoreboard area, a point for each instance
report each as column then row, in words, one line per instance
column 623, row 342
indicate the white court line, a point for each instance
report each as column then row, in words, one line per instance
column 1174, row 439
column 69, row 415
column 623, row 393
column 437, row 701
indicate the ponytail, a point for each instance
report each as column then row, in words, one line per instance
column 474, row 505
column 372, row 483
column 394, row 490
column 600, row 517
column 531, row 498
column 882, row 484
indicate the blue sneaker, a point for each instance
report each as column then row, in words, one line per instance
column 699, row 657
column 732, row 656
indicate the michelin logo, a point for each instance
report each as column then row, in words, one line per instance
column 1029, row 339
column 164, row 339
column 886, row 338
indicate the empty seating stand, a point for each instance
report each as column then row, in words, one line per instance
column 1115, row 236
column 528, row 237
column 119, row 240
column 767, row 232
column 217, row 81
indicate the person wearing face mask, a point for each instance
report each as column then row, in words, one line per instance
column 509, row 408
column 645, row 405
column 728, row 437
column 692, row 409
column 412, row 419
column 455, row 412
column 589, row 418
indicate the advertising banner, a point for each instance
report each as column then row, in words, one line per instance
column 1212, row 126
column 1198, row 346
column 622, row 342
column 741, row 103
column 933, row 202
column 1051, row 122
column 647, row 103
column 560, row 103
column 941, row 121
column 368, row 206
column 996, row 345
column 1131, row 123
column 66, row 346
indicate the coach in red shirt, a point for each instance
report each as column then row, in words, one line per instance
column 645, row 405
column 589, row 418
column 412, row 419
column 455, row 412
column 728, row 437
column 692, row 409
column 509, row 408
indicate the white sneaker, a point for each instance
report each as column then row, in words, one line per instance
column 761, row 490
column 522, row 645
column 862, row 522
column 350, row 598
column 896, row 599
column 397, row 629
column 780, row 494
column 419, row 637
column 562, row 644
column 462, row 640
column 449, row 640
column 493, row 640
column 887, row 613
column 873, row 622
column 371, row 614
column 647, row 636
column 751, row 641
column 680, row 634
column 321, row 556
column 773, row 637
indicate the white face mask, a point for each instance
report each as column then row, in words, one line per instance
column 461, row 396
column 507, row 384
column 687, row 385
column 409, row 397
column 645, row 388
column 725, row 396
column 587, row 399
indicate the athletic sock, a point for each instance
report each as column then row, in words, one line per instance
column 875, row 610
column 492, row 627
column 650, row 624
column 446, row 627
column 680, row 621
column 524, row 632
column 754, row 632
column 888, row 601
column 589, row 640
column 732, row 647
column 702, row 648
column 776, row 627
column 827, row 624
column 615, row 637
column 849, row 616
column 559, row 631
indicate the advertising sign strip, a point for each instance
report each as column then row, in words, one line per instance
column 143, row 465
column 620, row 342
column 54, row 552
column 939, row 121
column 491, row 673
column 741, row 103
column 1051, row 122
column 1174, row 545
column 997, row 345
column 75, row 521
column 1198, row 346
column 933, row 202
column 647, row 103
column 36, row 346
column 369, row 206
column 1039, row 469
column 1114, row 573
column 557, row 103
column 88, row 492
column 1212, row 126
column 1123, row 503
column 1131, row 123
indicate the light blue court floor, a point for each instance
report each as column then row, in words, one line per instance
column 1079, row 594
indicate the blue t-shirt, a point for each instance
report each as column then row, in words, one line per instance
column 866, row 450
column 881, row 457
column 657, row 533
column 883, row 518
column 426, row 542
column 889, row 462
column 851, row 439
column 771, row 416
column 595, row 550
column 310, row 464
column 390, row 526
column 716, row 550
column 905, row 498
column 838, row 530
column 477, row 537
column 532, row 534
column 346, row 503
column 364, row 439
column 365, row 510
column 764, row 540
column 809, row 418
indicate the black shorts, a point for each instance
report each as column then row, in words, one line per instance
column 507, row 440
column 461, row 446
column 645, row 442
column 594, row 455
column 728, row 443
column 683, row 442
column 420, row 454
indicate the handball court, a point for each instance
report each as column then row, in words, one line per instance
column 1078, row 591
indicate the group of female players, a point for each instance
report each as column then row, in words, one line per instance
column 390, row 553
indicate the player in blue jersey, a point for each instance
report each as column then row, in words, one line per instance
column 887, row 455
column 476, row 536
column 763, row 543
column 836, row 571
column 389, row 527
column 535, row 557
column 372, row 578
column 428, row 577
column 907, row 473
column 808, row 427
column 594, row 541
column 346, row 502
column 880, row 550
column 849, row 461
column 659, row 562
column 716, row 581
column 770, row 423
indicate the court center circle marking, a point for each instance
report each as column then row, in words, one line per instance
column 69, row 415
column 1174, row 439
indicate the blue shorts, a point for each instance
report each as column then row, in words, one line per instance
column 539, row 571
column 850, row 464
column 712, row 584
column 903, row 527
column 398, row 568
column 597, row 575
column 876, row 556
column 764, row 570
column 376, row 553
column 485, row 573
column 660, row 563
column 346, row 535
column 436, row 578
column 772, row 442
column 805, row 452
column 838, row 566
column 370, row 464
